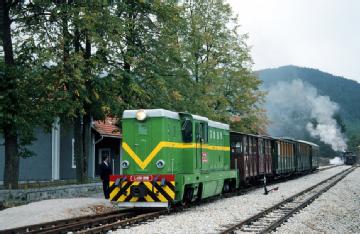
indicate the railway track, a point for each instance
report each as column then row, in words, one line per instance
column 271, row 218
column 65, row 225
column 116, row 219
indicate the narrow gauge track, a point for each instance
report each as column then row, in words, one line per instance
column 121, row 218
column 271, row 182
column 64, row 225
column 271, row 218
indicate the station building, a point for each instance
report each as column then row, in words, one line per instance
column 54, row 152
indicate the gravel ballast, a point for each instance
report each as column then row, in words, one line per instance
column 212, row 217
column 336, row 211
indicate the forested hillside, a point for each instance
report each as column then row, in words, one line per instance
column 344, row 92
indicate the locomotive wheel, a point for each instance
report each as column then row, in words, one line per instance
column 226, row 187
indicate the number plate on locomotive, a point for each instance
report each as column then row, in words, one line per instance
column 141, row 178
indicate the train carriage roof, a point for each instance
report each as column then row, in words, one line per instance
column 308, row 142
column 253, row 135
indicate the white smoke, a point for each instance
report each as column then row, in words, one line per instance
column 336, row 161
column 295, row 105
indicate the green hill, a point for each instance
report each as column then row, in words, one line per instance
column 344, row 92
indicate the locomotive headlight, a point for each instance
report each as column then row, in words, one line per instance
column 141, row 115
column 125, row 164
column 160, row 164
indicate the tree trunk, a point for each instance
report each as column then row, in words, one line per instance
column 87, row 117
column 87, row 142
column 80, row 152
column 78, row 148
column 11, row 170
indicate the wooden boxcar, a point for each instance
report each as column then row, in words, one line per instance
column 302, row 156
column 315, row 152
column 251, row 155
column 283, row 156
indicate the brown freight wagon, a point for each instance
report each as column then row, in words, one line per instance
column 251, row 155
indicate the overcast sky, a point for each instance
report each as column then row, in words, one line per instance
column 323, row 34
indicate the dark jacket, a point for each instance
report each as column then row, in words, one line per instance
column 105, row 171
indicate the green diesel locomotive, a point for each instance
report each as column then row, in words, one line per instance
column 171, row 157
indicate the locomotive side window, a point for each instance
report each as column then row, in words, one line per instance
column 186, row 130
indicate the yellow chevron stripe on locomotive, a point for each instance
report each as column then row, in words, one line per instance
column 136, row 190
column 165, row 144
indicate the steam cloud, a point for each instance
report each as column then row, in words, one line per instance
column 293, row 106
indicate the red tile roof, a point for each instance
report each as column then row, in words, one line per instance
column 107, row 127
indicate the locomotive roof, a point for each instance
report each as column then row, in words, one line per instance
column 131, row 114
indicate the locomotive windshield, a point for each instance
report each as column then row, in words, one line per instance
column 186, row 130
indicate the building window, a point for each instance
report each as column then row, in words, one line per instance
column 73, row 162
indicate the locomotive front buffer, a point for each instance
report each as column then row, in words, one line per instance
column 153, row 191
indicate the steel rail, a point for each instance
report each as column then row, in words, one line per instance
column 124, row 223
column 89, row 223
column 35, row 228
column 290, row 211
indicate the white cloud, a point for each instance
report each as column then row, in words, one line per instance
column 322, row 34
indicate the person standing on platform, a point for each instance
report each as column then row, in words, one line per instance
column 105, row 172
